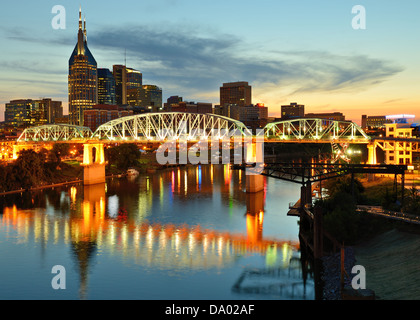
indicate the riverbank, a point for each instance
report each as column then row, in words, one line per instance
column 391, row 261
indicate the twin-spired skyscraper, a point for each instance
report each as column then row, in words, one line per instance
column 83, row 77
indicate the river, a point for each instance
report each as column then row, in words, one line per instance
column 184, row 233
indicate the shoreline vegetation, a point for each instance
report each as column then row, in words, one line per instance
column 34, row 171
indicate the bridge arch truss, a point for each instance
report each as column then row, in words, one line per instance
column 316, row 130
column 55, row 132
column 169, row 126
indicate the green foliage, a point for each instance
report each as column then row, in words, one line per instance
column 412, row 202
column 123, row 156
column 58, row 151
column 29, row 168
column 344, row 184
column 32, row 169
column 340, row 217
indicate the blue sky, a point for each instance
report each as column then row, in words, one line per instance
column 289, row 51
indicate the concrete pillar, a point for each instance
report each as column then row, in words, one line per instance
column 254, row 181
column 371, row 153
column 254, row 216
column 93, row 163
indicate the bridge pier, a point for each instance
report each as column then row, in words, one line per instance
column 371, row 153
column 254, row 153
column 93, row 163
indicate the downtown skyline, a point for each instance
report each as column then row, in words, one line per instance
column 307, row 53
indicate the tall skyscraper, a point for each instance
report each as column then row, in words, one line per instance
column 236, row 93
column 152, row 97
column 134, row 87
column 83, row 77
column 120, row 76
column 27, row 112
column 128, row 85
column 106, row 87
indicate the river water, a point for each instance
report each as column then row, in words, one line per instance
column 183, row 233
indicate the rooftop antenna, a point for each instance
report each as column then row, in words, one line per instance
column 125, row 57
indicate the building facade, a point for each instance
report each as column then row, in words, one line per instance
column 402, row 150
column 337, row 116
column 239, row 93
column 151, row 98
column 101, row 114
column 106, row 87
column 292, row 111
column 25, row 113
column 82, row 79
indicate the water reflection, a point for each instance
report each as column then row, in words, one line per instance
column 141, row 221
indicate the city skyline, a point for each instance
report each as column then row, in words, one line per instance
column 308, row 54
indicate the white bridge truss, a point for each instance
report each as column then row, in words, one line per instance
column 55, row 132
column 316, row 130
column 170, row 126
column 164, row 126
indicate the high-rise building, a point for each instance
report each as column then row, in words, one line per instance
column 236, row 93
column 27, row 112
column 106, row 87
column 292, row 111
column 151, row 97
column 120, row 76
column 83, row 77
column 128, row 85
column 134, row 86
column 254, row 116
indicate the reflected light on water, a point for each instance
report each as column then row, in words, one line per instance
column 107, row 224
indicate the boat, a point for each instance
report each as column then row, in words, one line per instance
column 132, row 172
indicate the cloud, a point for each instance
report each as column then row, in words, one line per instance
column 188, row 60
column 204, row 62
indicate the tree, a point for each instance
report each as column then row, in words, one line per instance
column 29, row 168
column 123, row 156
column 58, row 151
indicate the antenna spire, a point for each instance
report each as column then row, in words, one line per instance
column 80, row 17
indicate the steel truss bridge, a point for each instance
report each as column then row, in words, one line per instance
column 55, row 132
column 314, row 130
column 164, row 126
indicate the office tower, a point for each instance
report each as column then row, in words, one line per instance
column 24, row 113
column 134, row 86
column 128, row 85
column 292, row 111
column 235, row 93
column 254, row 116
column 83, row 78
column 106, row 87
column 120, row 76
column 151, row 97
column 16, row 112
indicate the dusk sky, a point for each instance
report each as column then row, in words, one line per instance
column 289, row 51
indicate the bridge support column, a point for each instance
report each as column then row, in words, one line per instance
column 254, row 216
column 254, row 181
column 93, row 163
column 371, row 153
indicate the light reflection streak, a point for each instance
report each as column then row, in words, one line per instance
column 167, row 246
